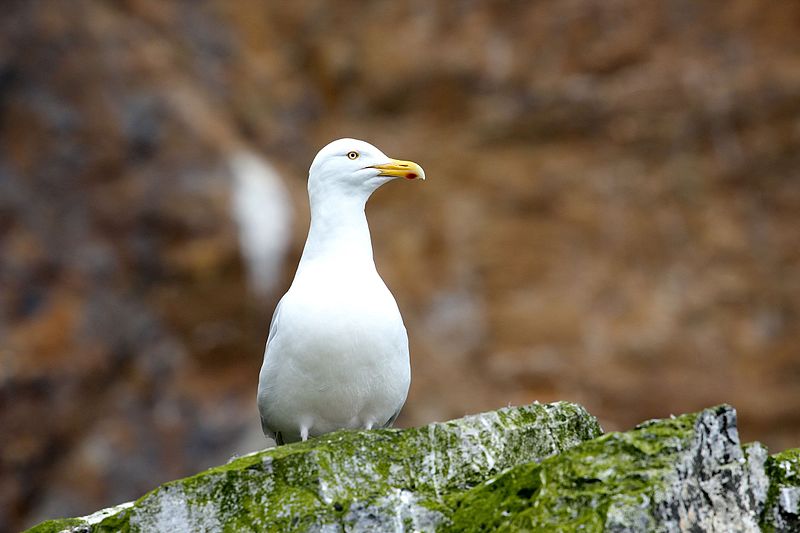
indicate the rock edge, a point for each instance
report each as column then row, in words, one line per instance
column 539, row 467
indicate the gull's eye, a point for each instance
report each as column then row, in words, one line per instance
column 352, row 155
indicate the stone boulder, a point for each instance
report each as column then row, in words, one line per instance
column 541, row 467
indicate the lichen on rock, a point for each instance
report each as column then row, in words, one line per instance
column 360, row 481
column 533, row 468
column 782, row 510
column 665, row 475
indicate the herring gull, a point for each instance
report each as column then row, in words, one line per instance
column 337, row 351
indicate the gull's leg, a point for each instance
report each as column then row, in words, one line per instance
column 369, row 424
column 304, row 433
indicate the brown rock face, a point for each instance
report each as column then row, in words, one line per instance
column 611, row 216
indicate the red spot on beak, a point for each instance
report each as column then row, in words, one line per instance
column 411, row 176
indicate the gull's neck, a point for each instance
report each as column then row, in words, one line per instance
column 339, row 230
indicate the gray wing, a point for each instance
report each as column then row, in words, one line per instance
column 273, row 329
column 391, row 420
column 273, row 326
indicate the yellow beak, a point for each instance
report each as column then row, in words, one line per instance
column 401, row 169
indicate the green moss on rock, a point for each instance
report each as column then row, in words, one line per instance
column 782, row 509
column 54, row 526
column 534, row 468
column 663, row 476
column 367, row 480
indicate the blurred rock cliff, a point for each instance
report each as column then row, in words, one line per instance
column 612, row 216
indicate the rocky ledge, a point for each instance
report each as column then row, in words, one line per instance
column 535, row 468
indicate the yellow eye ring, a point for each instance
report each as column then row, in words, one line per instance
column 352, row 155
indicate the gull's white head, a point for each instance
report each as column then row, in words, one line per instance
column 356, row 168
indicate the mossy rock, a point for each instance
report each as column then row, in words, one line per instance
column 687, row 473
column 536, row 468
column 359, row 481
column 782, row 510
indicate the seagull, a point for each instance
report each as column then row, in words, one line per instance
column 337, row 350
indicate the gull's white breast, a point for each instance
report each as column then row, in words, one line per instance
column 339, row 357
